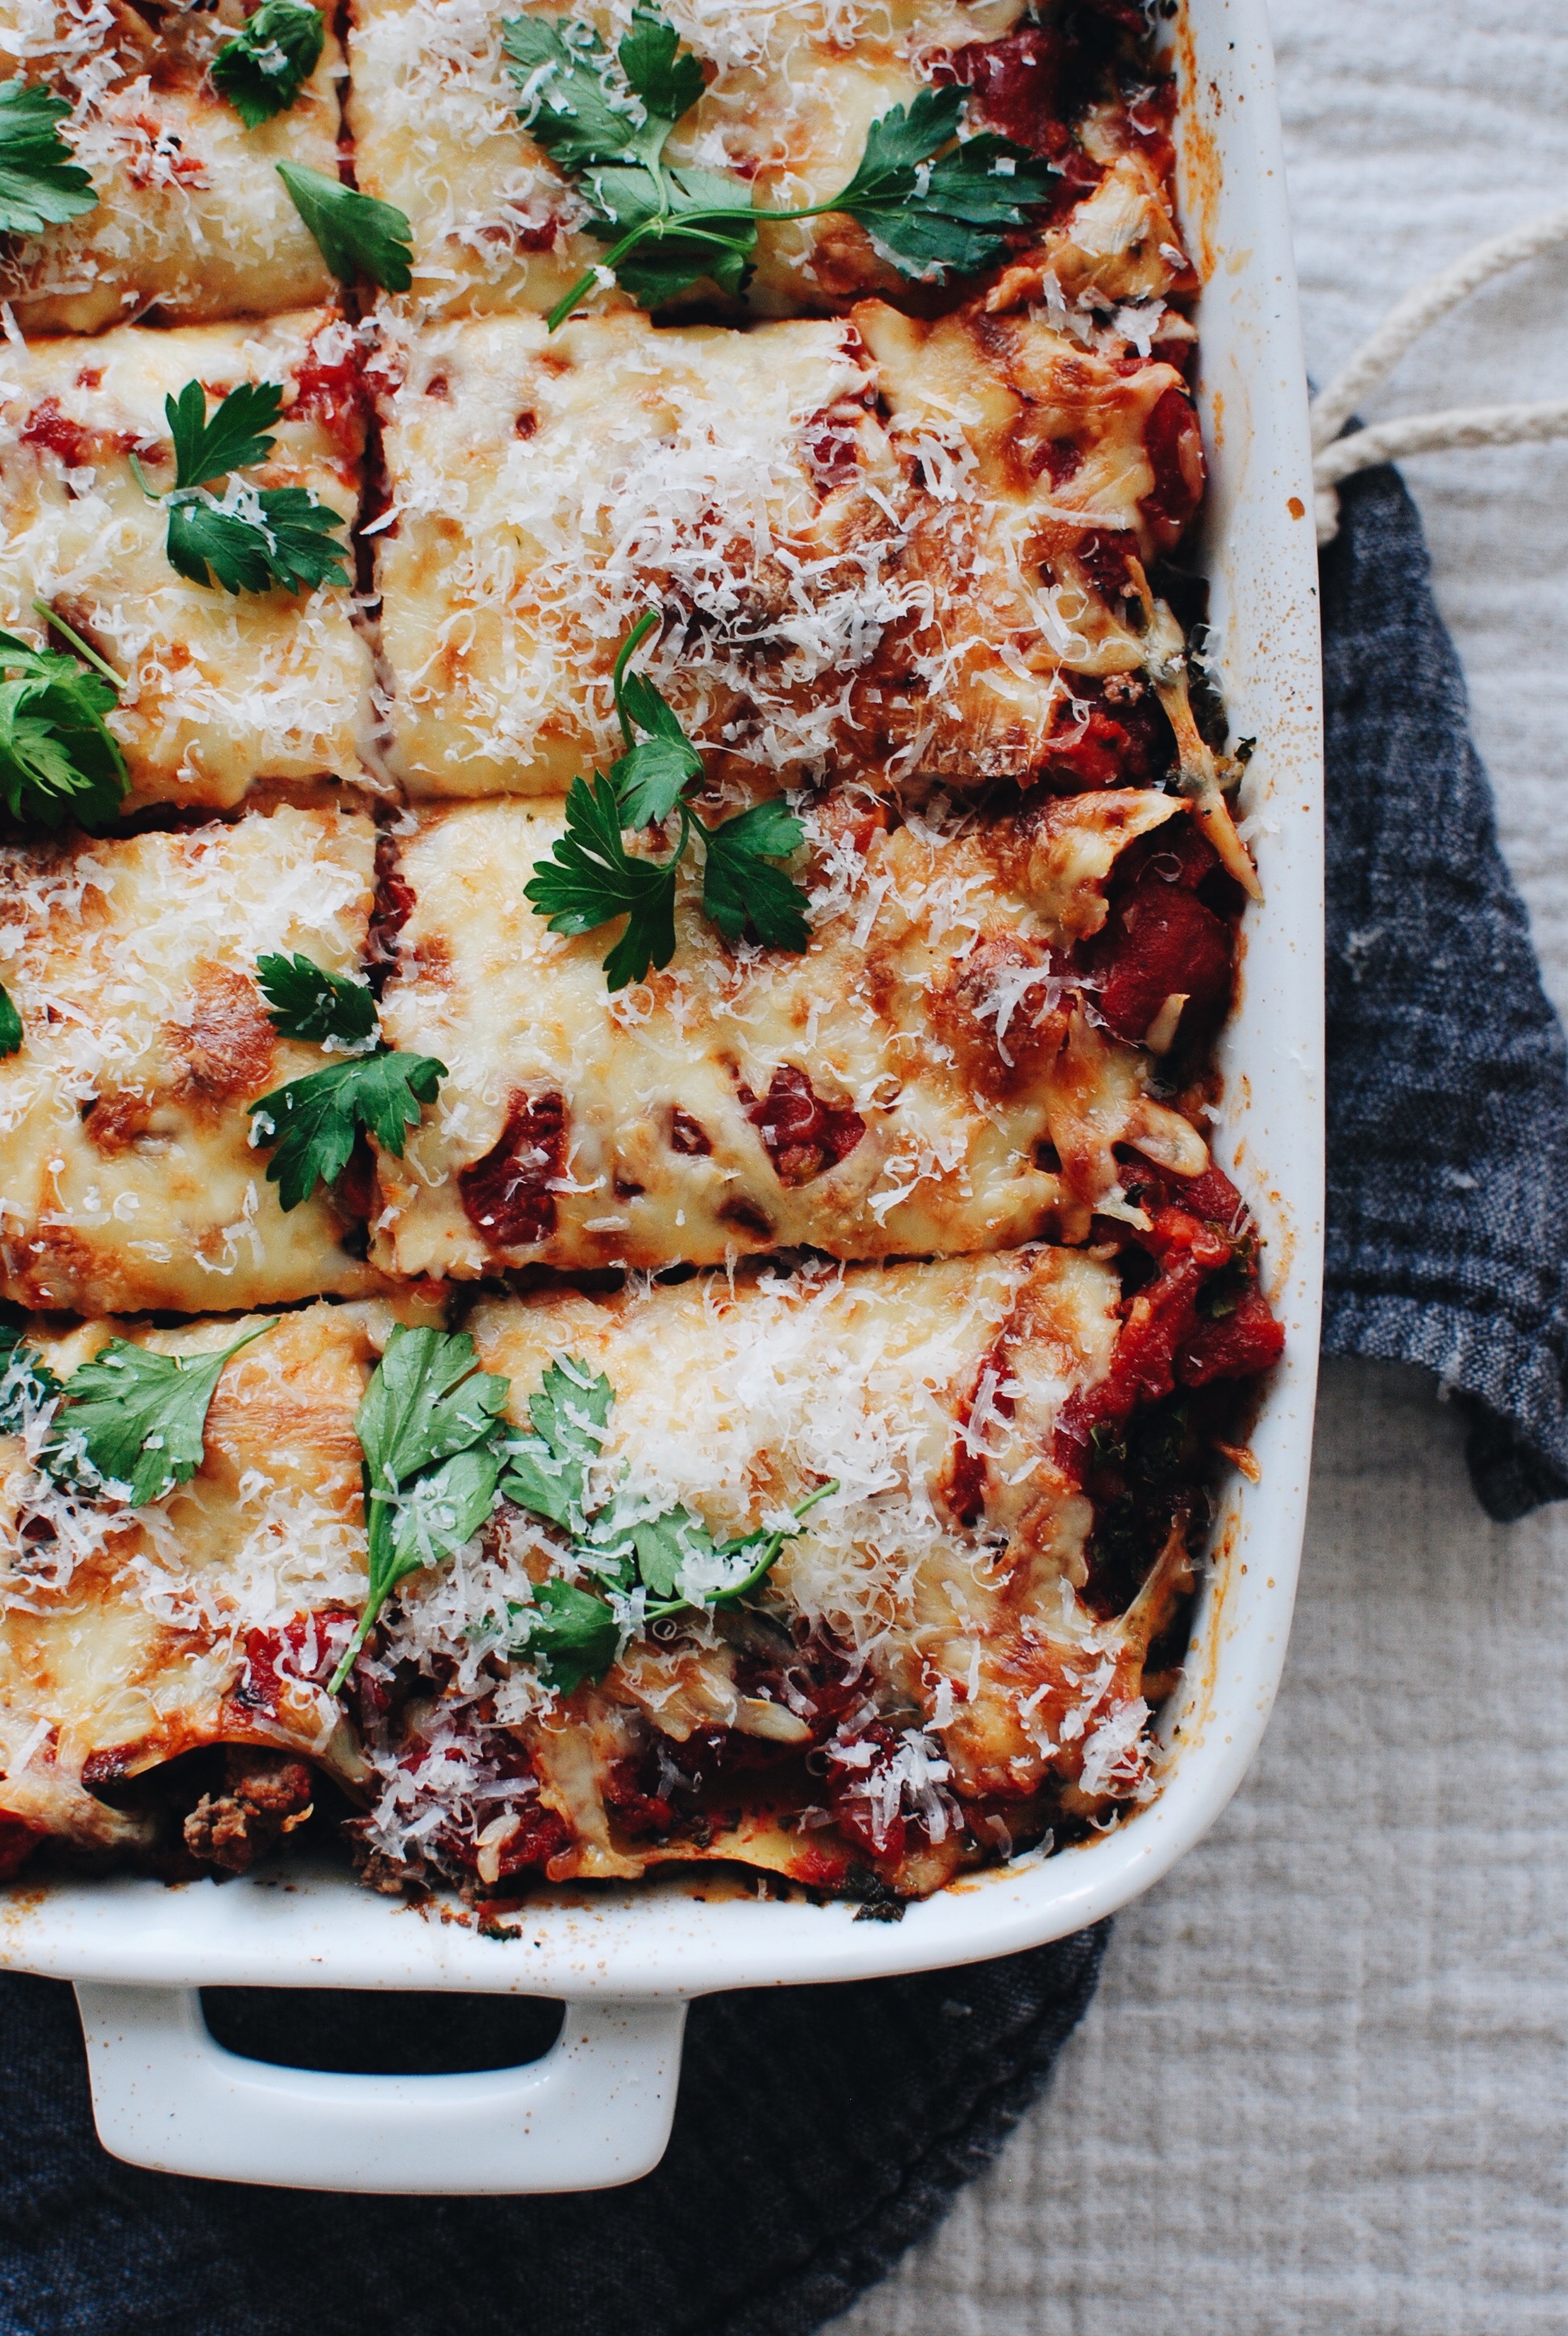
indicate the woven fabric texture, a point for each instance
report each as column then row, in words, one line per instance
column 819, row 2133
column 1447, row 1095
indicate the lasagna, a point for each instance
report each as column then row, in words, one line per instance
column 439, row 122
column 214, row 691
column 191, row 221
column 887, row 545
column 128, row 1176
column 960, row 1059
column 942, row 1663
column 618, row 887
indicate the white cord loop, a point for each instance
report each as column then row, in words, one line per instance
column 1336, row 458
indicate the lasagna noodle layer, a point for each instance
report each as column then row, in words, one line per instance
column 123, row 1640
column 128, row 1179
column 882, row 545
column 968, row 1673
column 192, row 219
column 894, row 1091
column 219, row 690
column 792, row 91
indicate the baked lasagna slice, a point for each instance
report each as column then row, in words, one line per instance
column 128, row 1176
column 438, row 124
column 882, row 545
column 134, row 1639
column 860, row 1577
column 991, row 1020
column 191, row 221
column 217, row 689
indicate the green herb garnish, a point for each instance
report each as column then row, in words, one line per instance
column 57, row 759
column 426, row 1427
column 311, row 1125
column 264, row 68
column 589, row 877
column 546, row 1472
column 672, row 1559
column 26, row 1381
column 256, row 536
column 10, row 1024
column 131, row 1423
column 930, row 206
column 568, row 1633
column 305, row 1002
column 355, row 234
column 41, row 184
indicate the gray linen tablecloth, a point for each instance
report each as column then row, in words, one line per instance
column 1325, row 2084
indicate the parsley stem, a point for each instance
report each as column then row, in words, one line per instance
column 377, row 1512
column 79, row 645
column 634, row 639
column 140, row 475
column 681, row 223
column 754, row 1580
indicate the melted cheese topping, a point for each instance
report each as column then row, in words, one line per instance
column 191, row 216
column 123, row 1632
column 793, row 87
column 124, row 1635
column 737, row 1401
column 219, row 690
column 929, row 1002
column 126, row 1174
column 888, row 595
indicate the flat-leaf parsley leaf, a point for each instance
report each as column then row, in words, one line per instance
column 356, row 234
column 256, row 537
column 264, row 68
column 305, row 1002
column 590, row 876
column 40, row 185
column 670, row 1564
column 132, row 1423
column 426, row 1427
column 547, row 1471
column 26, row 1381
column 57, row 758
column 311, row 1124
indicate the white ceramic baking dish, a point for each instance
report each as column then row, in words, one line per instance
column 597, row 2110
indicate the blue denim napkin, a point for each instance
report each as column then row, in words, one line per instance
column 1447, row 1097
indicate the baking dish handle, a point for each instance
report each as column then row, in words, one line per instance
column 594, row 2111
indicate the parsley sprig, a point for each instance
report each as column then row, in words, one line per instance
column 40, row 185
column 264, row 68
column 26, row 1381
column 357, row 235
column 590, row 877
column 426, row 1428
column 131, row 1423
column 324, row 1009
column 57, row 758
column 671, row 1560
column 256, row 537
column 930, row 205
column 312, row 1125
column 10, row 1024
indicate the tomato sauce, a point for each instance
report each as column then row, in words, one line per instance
column 1175, row 446
column 802, row 1135
column 334, row 391
column 507, row 1196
